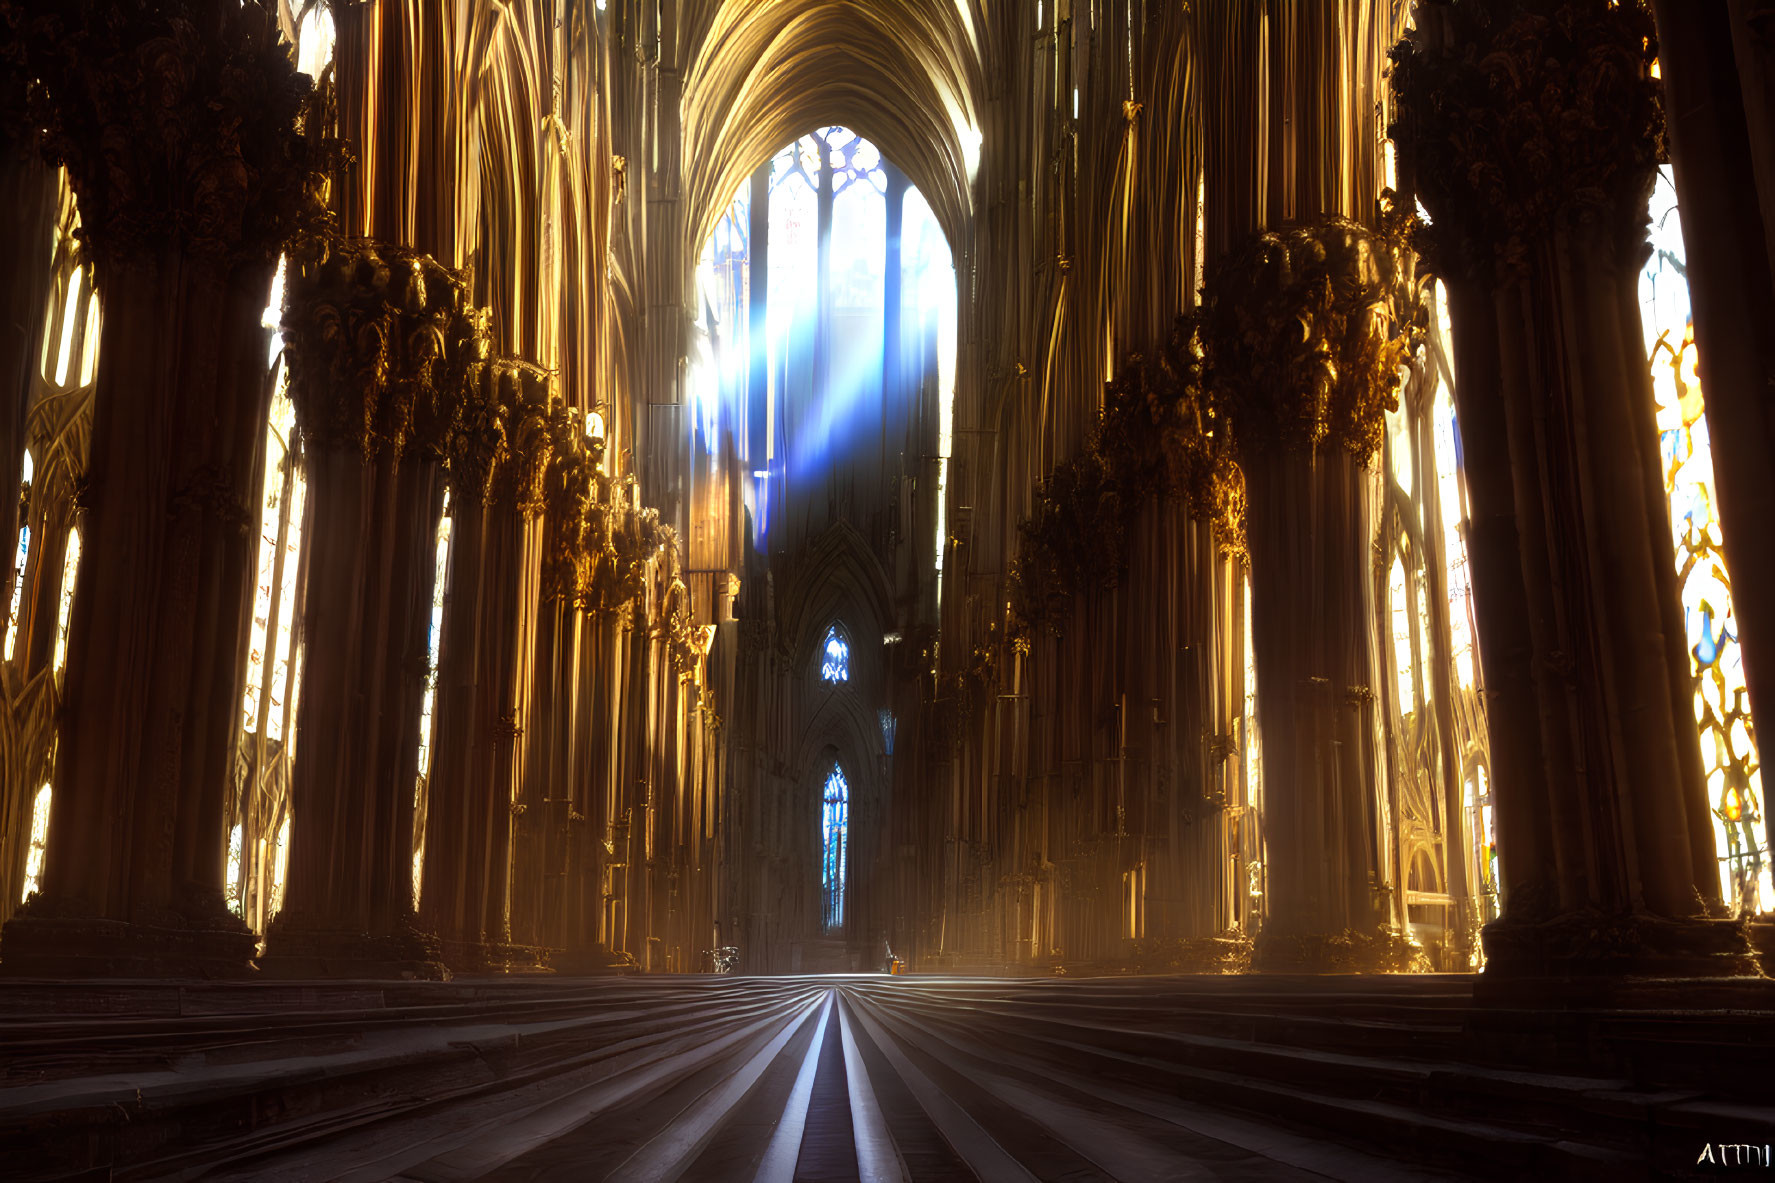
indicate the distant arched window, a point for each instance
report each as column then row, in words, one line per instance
column 835, row 657
column 834, row 816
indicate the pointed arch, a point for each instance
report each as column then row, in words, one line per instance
column 837, row 578
column 903, row 75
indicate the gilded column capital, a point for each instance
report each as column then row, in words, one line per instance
column 1159, row 436
column 178, row 123
column 1522, row 117
column 567, row 493
column 528, row 399
column 1305, row 333
column 447, row 348
column 684, row 640
column 478, row 447
column 621, row 545
column 382, row 345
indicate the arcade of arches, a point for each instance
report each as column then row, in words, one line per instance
column 519, row 493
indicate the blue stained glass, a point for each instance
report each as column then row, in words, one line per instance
column 835, row 657
column 834, row 815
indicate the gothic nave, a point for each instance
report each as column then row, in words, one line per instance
column 886, row 589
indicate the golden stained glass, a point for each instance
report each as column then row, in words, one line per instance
column 1722, row 707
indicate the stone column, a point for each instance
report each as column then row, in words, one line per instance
column 1305, row 332
column 1530, row 130
column 588, row 946
column 454, row 888
column 381, row 344
column 543, row 792
column 514, row 567
column 177, row 123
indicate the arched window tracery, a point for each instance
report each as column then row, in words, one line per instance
column 1729, row 755
column 274, row 658
column 57, row 415
column 1434, row 706
column 835, row 657
column 828, row 295
column 834, row 825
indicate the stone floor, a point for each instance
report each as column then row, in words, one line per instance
column 867, row 1077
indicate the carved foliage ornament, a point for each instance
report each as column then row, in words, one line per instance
column 1522, row 117
column 567, row 493
column 177, row 121
column 478, row 447
column 684, row 639
column 383, row 346
column 1158, row 436
column 1305, row 334
column 527, row 395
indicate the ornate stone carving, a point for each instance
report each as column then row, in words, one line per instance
column 1158, row 436
column 384, row 346
column 459, row 334
column 528, row 399
column 683, row 638
column 568, row 493
column 177, row 122
column 1522, row 116
column 478, row 447
column 1305, row 334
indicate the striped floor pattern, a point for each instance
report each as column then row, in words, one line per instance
column 844, row 1078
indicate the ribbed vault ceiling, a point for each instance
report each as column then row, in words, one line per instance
column 904, row 74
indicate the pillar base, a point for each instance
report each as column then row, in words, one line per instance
column 1229, row 953
column 597, row 961
column 1348, row 952
column 42, row 941
column 1594, row 944
column 495, row 957
column 294, row 949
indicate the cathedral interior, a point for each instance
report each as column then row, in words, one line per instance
column 886, row 589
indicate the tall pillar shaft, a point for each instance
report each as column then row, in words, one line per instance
column 513, row 566
column 454, row 887
column 544, row 791
column 1305, row 333
column 1531, row 131
column 191, row 176
column 382, row 343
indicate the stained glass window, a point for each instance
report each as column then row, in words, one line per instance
column 808, row 380
column 231, row 885
column 1722, row 708
column 65, row 605
column 261, row 804
column 39, row 842
column 428, row 705
column 834, row 818
column 280, row 865
column 20, row 559
column 1428, row 641
column 269, row 681
column 835, row 657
